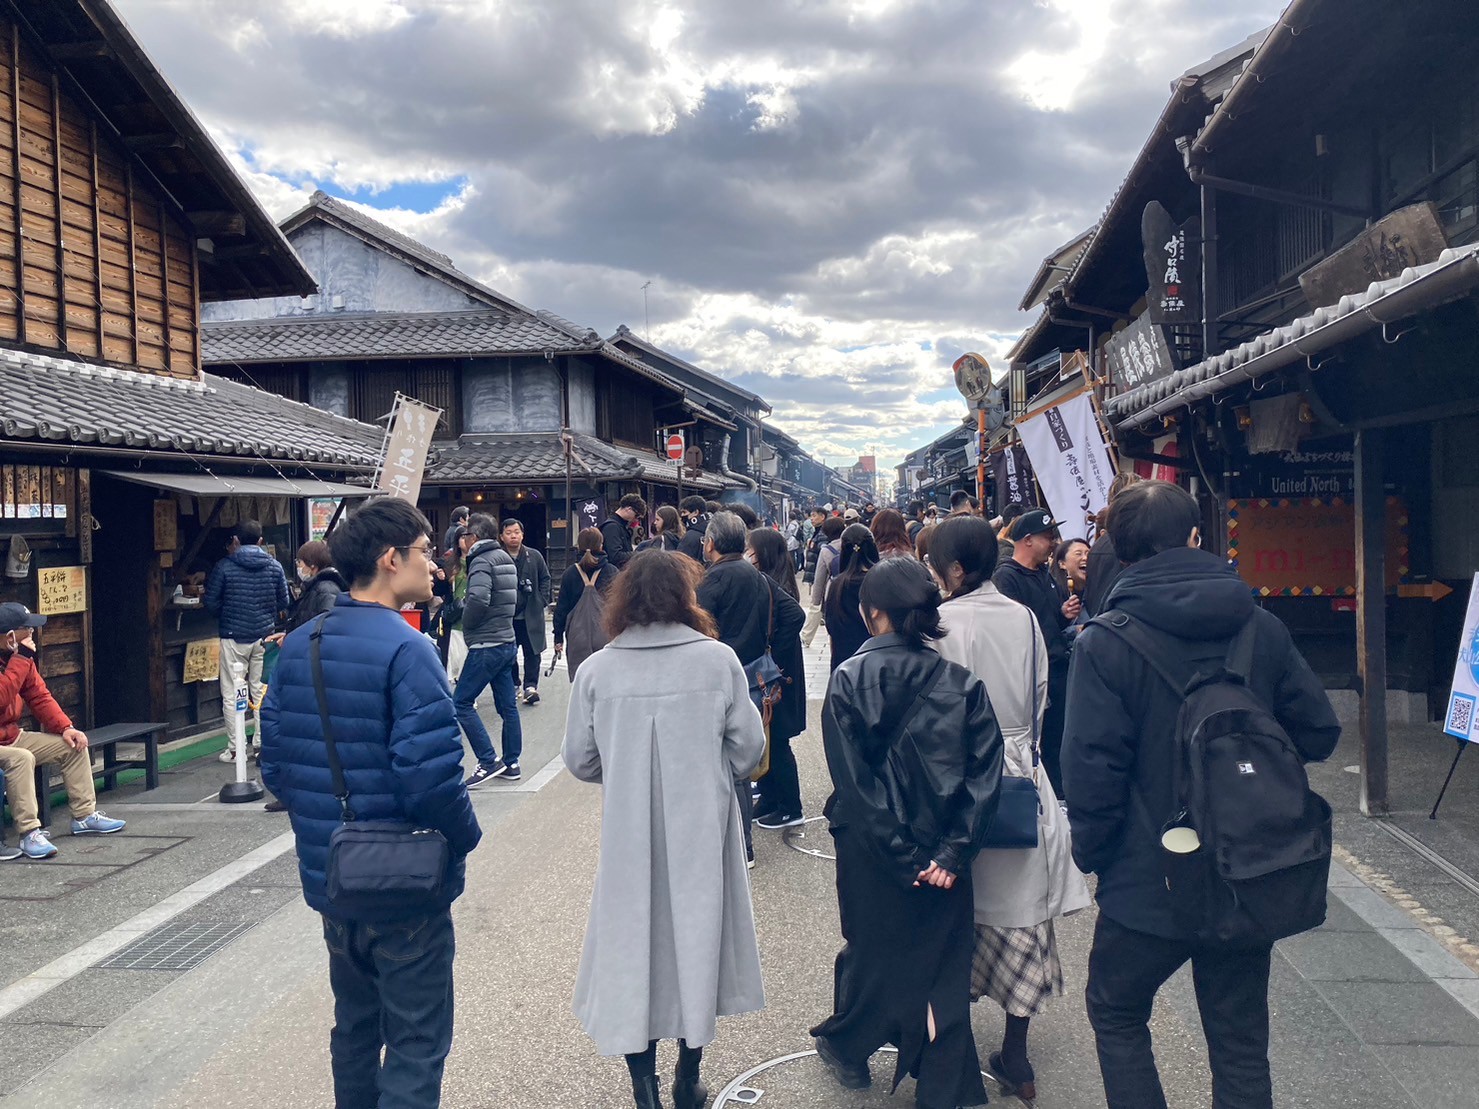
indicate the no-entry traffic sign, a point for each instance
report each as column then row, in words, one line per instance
column 675, row 447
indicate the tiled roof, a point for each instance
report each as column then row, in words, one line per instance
column 1455, row 274
column 60, row 401
column 382, row 335
column 540, row 457
column 625, row 335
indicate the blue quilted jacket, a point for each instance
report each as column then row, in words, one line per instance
column 395, row 731
column 246, row 591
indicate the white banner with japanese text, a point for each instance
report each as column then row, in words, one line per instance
column 1071, row 461
column 412, row 426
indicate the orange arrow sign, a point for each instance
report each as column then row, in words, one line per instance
column 1433, row 590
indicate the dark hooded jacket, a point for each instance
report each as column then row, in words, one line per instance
column 319, row 594
column 246, row 592
column 616, row 533
column 692, row 543
column 915, row 762
column 1118, row 744
column 1037, row 590
column 1104, row 570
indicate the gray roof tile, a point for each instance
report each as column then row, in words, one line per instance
column 57, row 400
column 540, row 457
column 382, row 335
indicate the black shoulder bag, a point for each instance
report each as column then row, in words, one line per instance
column 375, row 866
column 1019, row 806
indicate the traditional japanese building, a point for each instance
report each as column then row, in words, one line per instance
column 121, row 463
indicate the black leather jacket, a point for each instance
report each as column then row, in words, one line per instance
column 915, row 763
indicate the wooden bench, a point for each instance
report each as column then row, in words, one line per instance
column 107, row 739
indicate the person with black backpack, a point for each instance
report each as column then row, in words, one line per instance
column 1190, row 717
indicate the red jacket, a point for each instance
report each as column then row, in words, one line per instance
column 22, row 687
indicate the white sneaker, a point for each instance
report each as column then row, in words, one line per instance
column 228, row 755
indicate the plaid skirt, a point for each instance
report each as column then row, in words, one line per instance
column 1017, row 968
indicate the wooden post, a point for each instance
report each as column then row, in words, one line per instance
column 1371, row 618
column 20, row 218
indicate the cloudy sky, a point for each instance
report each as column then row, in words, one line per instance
column 832, row 199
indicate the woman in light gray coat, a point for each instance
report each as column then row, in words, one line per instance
column 1018, row 893
column 662, row 719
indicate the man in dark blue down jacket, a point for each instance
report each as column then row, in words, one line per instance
column 247, row 592
column 492, row 651
column 1119, row 751
column 398, row 742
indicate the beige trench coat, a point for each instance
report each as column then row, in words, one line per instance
column 995, row 638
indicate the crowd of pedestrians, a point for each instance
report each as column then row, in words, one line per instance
column 994, row 730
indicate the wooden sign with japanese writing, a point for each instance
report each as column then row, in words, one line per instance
column 1139, row 354
column 166, row 524
column 202, row 661
column 1307, row 548
column 411, row 429
column 61, row 589
column 1411, row 236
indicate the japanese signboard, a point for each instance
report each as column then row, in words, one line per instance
column 1326, row 471
column 1464, row 695
column 1012, row 477
column 412, row 425
column 1307, row 548
column 61, row 589
column 1408, row 237
column 1173, row 261
column 1071, row 461
column 1140, row 354
column 202, row 661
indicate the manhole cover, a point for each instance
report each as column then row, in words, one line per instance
column 810, row 840
column 776, row 1085
column 175, row 946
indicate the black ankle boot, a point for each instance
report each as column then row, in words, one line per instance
column 689, row 1091
column 647, row 1092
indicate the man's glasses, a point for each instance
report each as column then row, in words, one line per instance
column 426, row 550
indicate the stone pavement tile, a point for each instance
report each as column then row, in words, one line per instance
column 1375, row 909
column 245, row 902
column 1401, row 1013
column 94, row 999
column 29, row 1050
column 1430, row 956
column 1436, row 1077
column 1348, row 957
column 1339, row 917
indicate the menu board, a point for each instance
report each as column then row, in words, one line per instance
column 1307, row 548
column 202, row 661
column 61, row 589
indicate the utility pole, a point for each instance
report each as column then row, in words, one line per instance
column 646, row 312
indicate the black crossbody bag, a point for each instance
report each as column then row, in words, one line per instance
column 375, row 866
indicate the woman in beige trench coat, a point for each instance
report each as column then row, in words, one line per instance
column 1019, row 893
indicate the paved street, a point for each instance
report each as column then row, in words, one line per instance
column 1370, row 1012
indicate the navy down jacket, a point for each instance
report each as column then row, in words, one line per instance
column 246, row 591
column 396, row 735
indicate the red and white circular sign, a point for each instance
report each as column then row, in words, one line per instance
column 675, row 447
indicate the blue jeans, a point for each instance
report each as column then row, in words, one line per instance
column 490, row 666
column 392, row 988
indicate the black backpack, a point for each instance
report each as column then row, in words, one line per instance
column 1261, row 869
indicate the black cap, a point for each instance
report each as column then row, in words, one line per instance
column 1035, row 521
column 14, row 615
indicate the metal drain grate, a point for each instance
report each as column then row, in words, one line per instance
column 175, row 946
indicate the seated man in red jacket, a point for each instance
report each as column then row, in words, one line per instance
column 22, row 689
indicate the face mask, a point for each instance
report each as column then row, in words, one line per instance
column 304, row 575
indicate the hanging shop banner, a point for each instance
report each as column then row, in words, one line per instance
column 412, row 425
column 1173, row 263
column 1464, row 695
column 1307, row 548
column 1139, row 354
column 1012, row 477
column 1072, row 463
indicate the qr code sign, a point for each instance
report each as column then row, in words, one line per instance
column 1460, row 716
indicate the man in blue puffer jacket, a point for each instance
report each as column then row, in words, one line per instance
column 247, row 592
column 398, row 741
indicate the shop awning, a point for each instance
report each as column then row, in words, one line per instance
column 212, row 485
column 1418, row 290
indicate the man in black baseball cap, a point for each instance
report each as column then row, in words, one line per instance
column 1025, row 578
column 22, row 689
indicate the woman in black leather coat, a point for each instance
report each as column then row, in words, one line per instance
column 915, row 755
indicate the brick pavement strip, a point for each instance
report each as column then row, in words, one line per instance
column 1365, row 1014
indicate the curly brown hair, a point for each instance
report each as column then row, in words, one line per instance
column 657, row 587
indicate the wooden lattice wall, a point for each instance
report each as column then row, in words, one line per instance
column 92, row 260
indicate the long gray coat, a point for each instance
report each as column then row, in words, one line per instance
column 663, row 720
